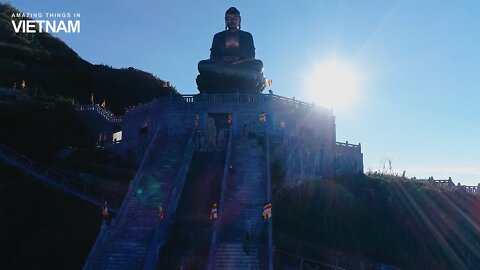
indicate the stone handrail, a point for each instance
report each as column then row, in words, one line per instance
column 160, row 234
column 443, row 181
column 143, row 106
column 225, row 98
column 291, row 101
column 346, row 144
column 107, row 230
column 216, row 223
column 243, row 98
column 51, row 177
column 10, row 91
column 154, row 102
column 221, row 99
column 471, row 189
column 131, row 190
column 103, row 235
column 109, row 116
column 269, row 199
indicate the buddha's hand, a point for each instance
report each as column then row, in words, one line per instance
column 231, row 58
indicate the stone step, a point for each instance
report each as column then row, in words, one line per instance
column 245, row 264
column 251, row 183
column 247, row 187
column 127, row 249
column 233, row 256
column 248, row 182
column 238, row 263
column 236, row 257
column 127, row 244
column 224, row 248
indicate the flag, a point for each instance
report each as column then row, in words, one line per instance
column 268, row 82
column 105, row 209
column 262, row 117
column 23, row 84
column 214, row 212
column 104, row 104
column 267, row 210
column 160, row 212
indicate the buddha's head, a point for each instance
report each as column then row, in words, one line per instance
column 232, row 19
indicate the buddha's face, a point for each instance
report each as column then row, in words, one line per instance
column 232, row 21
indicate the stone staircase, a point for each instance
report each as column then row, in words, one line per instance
column 125, row 243
column 244, row 200
column 189, row 241
column 95, row 194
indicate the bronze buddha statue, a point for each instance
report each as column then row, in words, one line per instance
column 232, row 66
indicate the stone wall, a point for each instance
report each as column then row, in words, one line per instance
column 303, row 133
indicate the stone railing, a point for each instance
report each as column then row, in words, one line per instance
column 109, row 116
column 73, row 186
column 144, row 106
column 222, row 99
column 9, row 91
column 106, row 231
column 346, row 144
column 216, row 223
column 290, row 101
column 270, row 245
column 17, row 93
column 472, row 189
column 160, row 235
column 447, row 183
column 225, row 98
column 443, row 183
column 244, row 98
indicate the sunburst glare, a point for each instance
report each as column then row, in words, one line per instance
column 332, row 84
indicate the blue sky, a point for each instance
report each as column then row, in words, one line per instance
column 416, row 100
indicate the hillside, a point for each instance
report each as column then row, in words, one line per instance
column 50, row 67
column 43, row 228
column 405, row 223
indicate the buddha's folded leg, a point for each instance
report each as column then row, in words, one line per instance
column 209, row 67
column 252, row 64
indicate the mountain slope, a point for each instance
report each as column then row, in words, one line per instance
column 412, row 224
column 48, row 65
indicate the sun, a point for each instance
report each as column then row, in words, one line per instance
column 332, row 84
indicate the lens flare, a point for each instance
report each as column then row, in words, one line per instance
column 332, row 84
column 149, row 191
